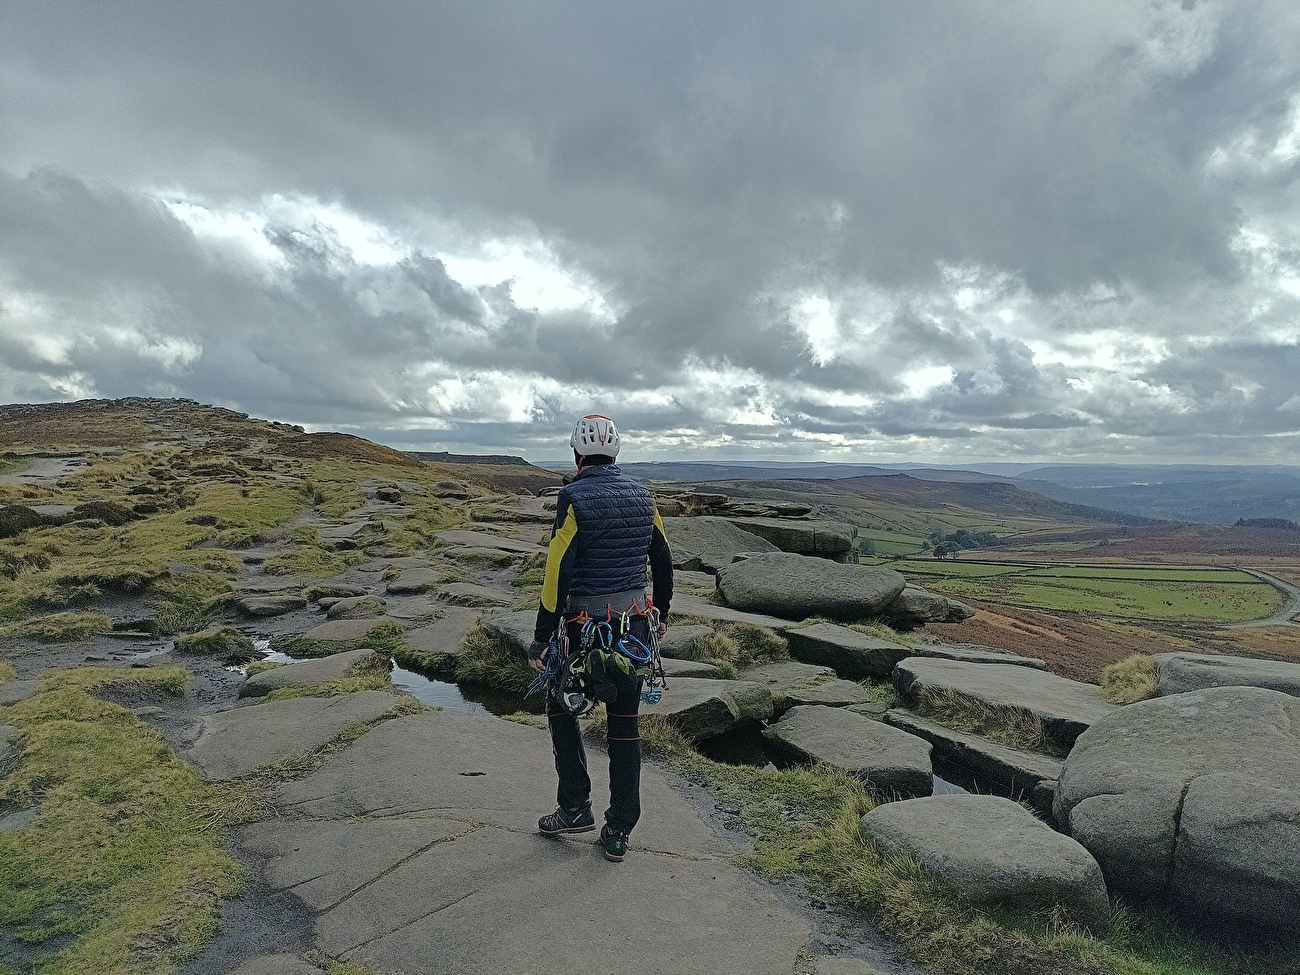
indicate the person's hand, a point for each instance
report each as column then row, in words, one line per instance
column 537, row 655
column 662, row 628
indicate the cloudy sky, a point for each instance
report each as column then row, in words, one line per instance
column 941, row 232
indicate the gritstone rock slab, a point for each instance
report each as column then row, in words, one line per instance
column 826, row 539
column 1017, row 771
column 798, row 586
column 890, row 761
column 715, row 540
column 304, row 673
column 450, row 840
column 1066, row 707
column 276, row 604
column 1178, row 673
column 993, row 851
column 680, row 641
column 414, row 581
column 700, row 708
column 515, row 629
column 447, row 634
column 242, row 740
column 470, row 594
column 850, row 653
column 688, row 605
column 355, row 608
column 794, row 683
column 1193, row 799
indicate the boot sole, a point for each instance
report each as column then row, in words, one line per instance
column 612, row 857
column 567, row 829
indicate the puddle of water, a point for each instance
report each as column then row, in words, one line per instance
column 434, row 693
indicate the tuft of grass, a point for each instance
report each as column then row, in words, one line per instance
column 1131, row 680
column 531, row 573
column 1008, row 725
column 368, row 674
column 7, row 672
column 261, row 666
column 59, row 627
column 222, row 641
column 122, row 869
column 310, row 560
column 489, row 661
column 732, row 647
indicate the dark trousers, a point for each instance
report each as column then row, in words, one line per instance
column 624, row 748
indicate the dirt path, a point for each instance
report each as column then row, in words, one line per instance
column 1285, row 616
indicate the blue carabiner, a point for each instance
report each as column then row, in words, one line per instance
column 637, row 651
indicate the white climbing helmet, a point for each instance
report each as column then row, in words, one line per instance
column 595, row 434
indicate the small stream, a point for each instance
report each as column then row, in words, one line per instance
column 434, row 693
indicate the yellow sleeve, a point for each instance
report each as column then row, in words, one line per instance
column 559, row 547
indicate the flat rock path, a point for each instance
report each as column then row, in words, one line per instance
column 414, row 849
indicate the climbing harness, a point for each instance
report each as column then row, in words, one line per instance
column 576, row 677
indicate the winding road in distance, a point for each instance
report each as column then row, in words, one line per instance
column 1283, row 617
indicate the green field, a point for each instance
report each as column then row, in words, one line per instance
column 1193, row 594
column 891, row 542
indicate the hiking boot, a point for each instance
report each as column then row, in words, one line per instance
column 613, row 844
column 567, row 821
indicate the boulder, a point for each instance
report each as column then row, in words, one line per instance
column 796, row 587
column 1193, row 800
column 446, row 635
column 355, row 608
column 305, row 673
column 351, row 535
column 701, row 708
column 688, row 668
column 687, row 561
column 793, row 684
column 851, row 653
column 1178, row 673
column 514, row 629
column 971, row 653
column 412, row 582
column 715, row 540
column 892, row 762
column 1066, row 707
column 825, row 539
column 272, row 604
column 994, row 852
column 1015, row 771
column 682, row 642
column 915, row 606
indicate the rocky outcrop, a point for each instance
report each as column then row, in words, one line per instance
column 850, row 653
column 796, row 587
column 1016, row 772
column 305, row 673
column 1178, row 673
column 1193, row 800
column 916, row 607
column 412, row 582
column 683, row 642
column 715, row 541
column 892, row 762
column 824, row 539
column 794, row 683
column 1066, row 707
column 271, row 604
column 700, row 708
column 355, row 608
column 993, row 852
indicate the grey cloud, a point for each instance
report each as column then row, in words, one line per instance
column 700, row 164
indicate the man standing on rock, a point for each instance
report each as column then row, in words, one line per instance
column 606, row 527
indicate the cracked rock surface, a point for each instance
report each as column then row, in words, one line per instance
column 1195, row 799
column 415, row 849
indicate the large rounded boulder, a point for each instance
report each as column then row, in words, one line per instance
column 797, row 586
column 1194, row 800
